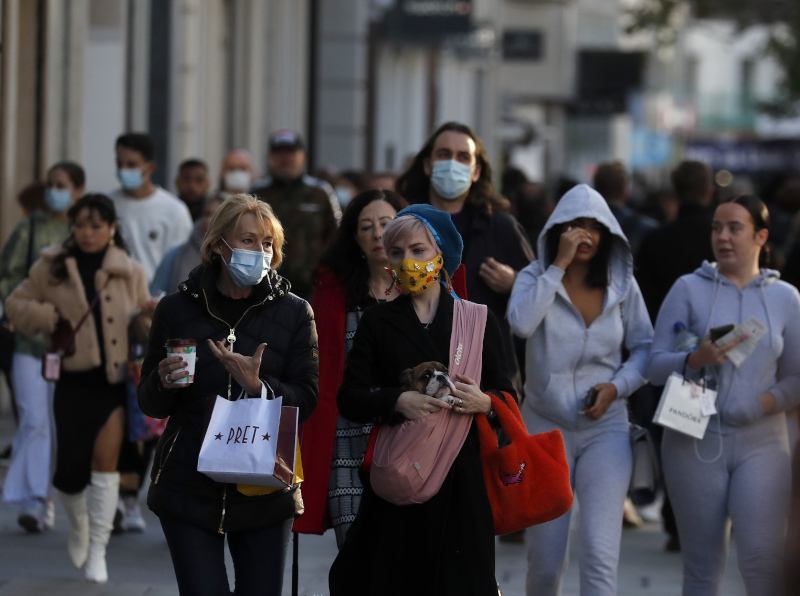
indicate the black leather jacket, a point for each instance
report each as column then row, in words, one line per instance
column 289, row 365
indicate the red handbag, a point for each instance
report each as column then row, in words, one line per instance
column 528, row 480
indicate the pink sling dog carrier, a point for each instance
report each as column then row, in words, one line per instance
column 412, row 459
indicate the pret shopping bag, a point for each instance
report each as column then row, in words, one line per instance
column 681, row 406
column 250, row 441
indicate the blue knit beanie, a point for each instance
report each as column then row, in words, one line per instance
column 444, row 232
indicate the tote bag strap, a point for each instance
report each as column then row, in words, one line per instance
column 466, row 339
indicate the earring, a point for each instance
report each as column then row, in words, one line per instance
column 111, row 242
column 363, row 256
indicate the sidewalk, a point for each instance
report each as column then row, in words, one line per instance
column 140, row 564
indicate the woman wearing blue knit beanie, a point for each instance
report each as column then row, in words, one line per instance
column 445, row 545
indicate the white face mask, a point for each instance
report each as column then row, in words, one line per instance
column 237, row 180
column 451, row 178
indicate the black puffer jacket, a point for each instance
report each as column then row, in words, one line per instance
column 289, row 365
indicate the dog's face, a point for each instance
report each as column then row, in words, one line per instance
column 429, row 378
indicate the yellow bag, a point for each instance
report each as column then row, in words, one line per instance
column 251, row 490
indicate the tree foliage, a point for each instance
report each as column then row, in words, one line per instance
column 664, row 16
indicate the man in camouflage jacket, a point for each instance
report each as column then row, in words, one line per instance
column 306, row 206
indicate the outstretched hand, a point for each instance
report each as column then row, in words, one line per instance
column 498, row 276
column 243, row 369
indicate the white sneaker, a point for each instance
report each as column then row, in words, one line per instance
column 132, row 520
column 49, row 517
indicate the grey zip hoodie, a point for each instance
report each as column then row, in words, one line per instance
column 705, row 299
column 565, row 358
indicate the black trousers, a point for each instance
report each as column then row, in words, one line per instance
column 198, row 556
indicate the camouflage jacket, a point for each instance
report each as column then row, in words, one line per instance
column 14, row 264
column 309, row 213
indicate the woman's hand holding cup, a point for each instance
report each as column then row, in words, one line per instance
column 177, row 369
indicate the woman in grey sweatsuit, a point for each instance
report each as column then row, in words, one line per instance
column 741, row 468
column 579, row 306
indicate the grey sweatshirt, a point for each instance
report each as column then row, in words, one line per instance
column 706, row 299
column 564, row 358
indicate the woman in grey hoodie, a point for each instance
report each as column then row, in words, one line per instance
column 579, row 307
column 741, row 468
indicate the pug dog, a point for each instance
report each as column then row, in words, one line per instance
column 430, row 378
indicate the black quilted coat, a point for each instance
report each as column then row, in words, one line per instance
column 289, row 365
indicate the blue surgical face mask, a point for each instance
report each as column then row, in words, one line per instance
column 58, row 199
column 130, row 178
column 451, row 178
column 247, row 267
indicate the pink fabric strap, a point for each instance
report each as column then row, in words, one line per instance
column 466, row 340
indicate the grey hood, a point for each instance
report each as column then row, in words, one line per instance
column 584, row 201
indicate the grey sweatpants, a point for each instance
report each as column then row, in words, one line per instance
column 749, row 483
column 599, row 456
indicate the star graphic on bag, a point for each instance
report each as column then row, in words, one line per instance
column 265, row 437
column 218, row 437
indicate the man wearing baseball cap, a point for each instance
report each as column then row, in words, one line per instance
column 307, row 208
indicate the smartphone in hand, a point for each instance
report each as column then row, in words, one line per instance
column 722, row 331
column 590, row 398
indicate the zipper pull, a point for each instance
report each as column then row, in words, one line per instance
column 232, row 339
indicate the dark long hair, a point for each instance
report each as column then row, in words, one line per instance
column 597, row 274
column 415, row 184
column 344, row 256
column 760, row 215
column 97, row 203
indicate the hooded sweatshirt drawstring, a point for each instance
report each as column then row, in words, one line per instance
column 764, row 300
column 713, row 301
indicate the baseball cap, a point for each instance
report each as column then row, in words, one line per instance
column 285, row 139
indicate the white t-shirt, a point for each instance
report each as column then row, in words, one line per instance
column 152, row 226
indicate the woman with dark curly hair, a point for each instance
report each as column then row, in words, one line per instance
column 351, row 278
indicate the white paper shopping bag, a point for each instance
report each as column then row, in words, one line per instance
column 250, row 441
column 680, row 407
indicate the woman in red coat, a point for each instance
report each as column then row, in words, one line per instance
column 350, row 279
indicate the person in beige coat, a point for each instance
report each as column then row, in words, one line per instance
column 91, row 267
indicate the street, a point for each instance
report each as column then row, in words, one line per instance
column 138, row 564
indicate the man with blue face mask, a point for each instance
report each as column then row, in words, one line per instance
column 452, row 173
column 155, row 220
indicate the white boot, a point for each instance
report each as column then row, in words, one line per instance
column 78, row 516
column 103, row 494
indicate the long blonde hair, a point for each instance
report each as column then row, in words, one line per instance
column 228, row 215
